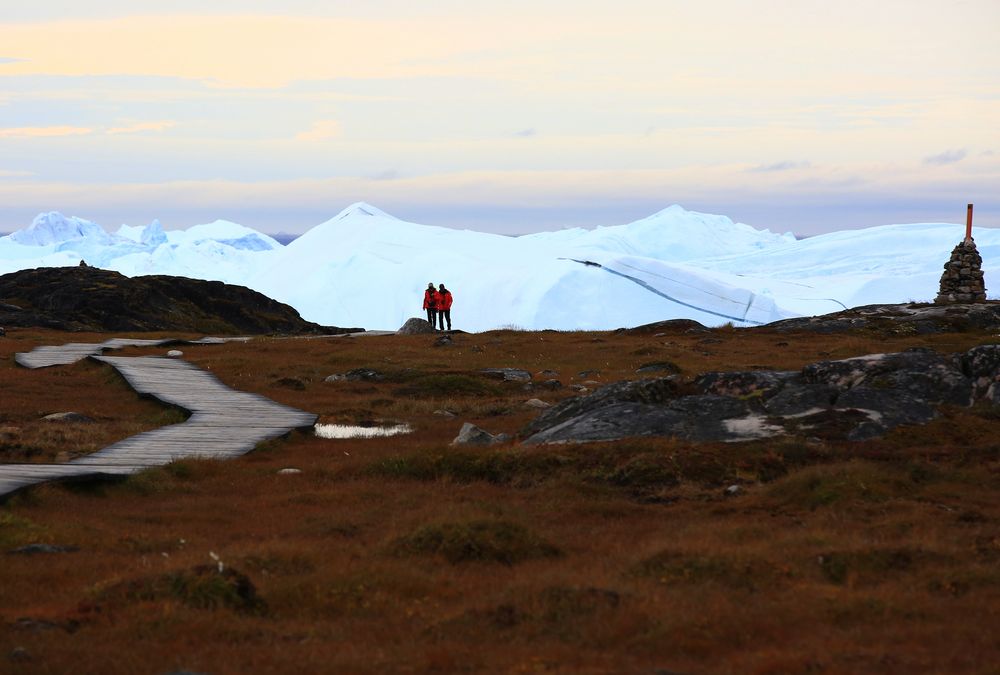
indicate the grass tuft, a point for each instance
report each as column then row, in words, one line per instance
column 836, row 484
column 200, row 587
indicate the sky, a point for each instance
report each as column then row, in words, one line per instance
column 795, row 115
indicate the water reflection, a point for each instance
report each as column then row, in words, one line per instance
column 348, row 431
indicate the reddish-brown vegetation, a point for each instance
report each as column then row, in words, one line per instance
column 403, row 554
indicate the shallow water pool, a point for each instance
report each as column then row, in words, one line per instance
column 349, row 431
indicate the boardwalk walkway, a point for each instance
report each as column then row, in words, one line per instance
column 62, row 355
column 224, row 423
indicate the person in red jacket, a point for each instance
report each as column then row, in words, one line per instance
column 444, row 306
column 430, row 304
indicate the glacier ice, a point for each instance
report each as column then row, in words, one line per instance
column 364, row 267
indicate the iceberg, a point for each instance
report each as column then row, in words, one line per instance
column 365, row 267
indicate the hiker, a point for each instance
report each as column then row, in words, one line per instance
column 444, row 306
column 430, row 304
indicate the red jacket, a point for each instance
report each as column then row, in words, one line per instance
column 443, row 300
column 430, row 299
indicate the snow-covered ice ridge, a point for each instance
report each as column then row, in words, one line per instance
column 364, row 267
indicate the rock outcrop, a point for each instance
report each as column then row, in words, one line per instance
column 916, row 318
column 91, row 299
column 854, row 399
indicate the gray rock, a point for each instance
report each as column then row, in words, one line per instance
column 288, row 471
column 444, row 341
column 334, row 378
column 854, row 399
column 801, row 398
column 665, row 367
column 547, row 373
column 507, row 374
column 67, row 417
column 470, row 434
column 732, row 490
column 754, row 383
column 416, row 326
column 551, row 384
column 175, row 353
column 33, row 549
column 364, row 375
column 444, row 413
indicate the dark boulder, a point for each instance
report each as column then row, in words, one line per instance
column 507, row 374
column 852, row 399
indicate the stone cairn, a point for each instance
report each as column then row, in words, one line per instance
column 962, row 280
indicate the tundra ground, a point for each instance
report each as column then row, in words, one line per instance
column 404, row 554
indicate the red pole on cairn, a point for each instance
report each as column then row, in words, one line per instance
column 968, row 224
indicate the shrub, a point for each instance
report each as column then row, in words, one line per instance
column 870, row 565
column 468, row 467
column 440, row 386
column 478, row 540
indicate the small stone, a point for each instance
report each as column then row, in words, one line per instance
column 537, row 403
column 19, row 655
column 588, row 373
column 579, row 388
column 334, row 378
column 175, row 353
column 444, row 413
column 470, row 434
column 67, row 417
column 733, row 490
column 288, row 471
column 443, row 341
column 552, row 384
column 547, row 373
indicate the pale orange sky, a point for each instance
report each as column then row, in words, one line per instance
column 803, row 116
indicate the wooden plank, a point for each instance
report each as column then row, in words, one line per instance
column 224, row 423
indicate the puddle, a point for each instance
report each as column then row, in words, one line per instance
column 348, row 431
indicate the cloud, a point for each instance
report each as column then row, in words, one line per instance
column 946, row 157
column 9, row 173
column 10, row 59
column 525, row 133
column 779, row 166
column 44, row 132
column 141, row 127
column 321, row 131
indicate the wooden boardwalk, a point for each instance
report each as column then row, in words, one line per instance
column 224, row 422
column 41, row 357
